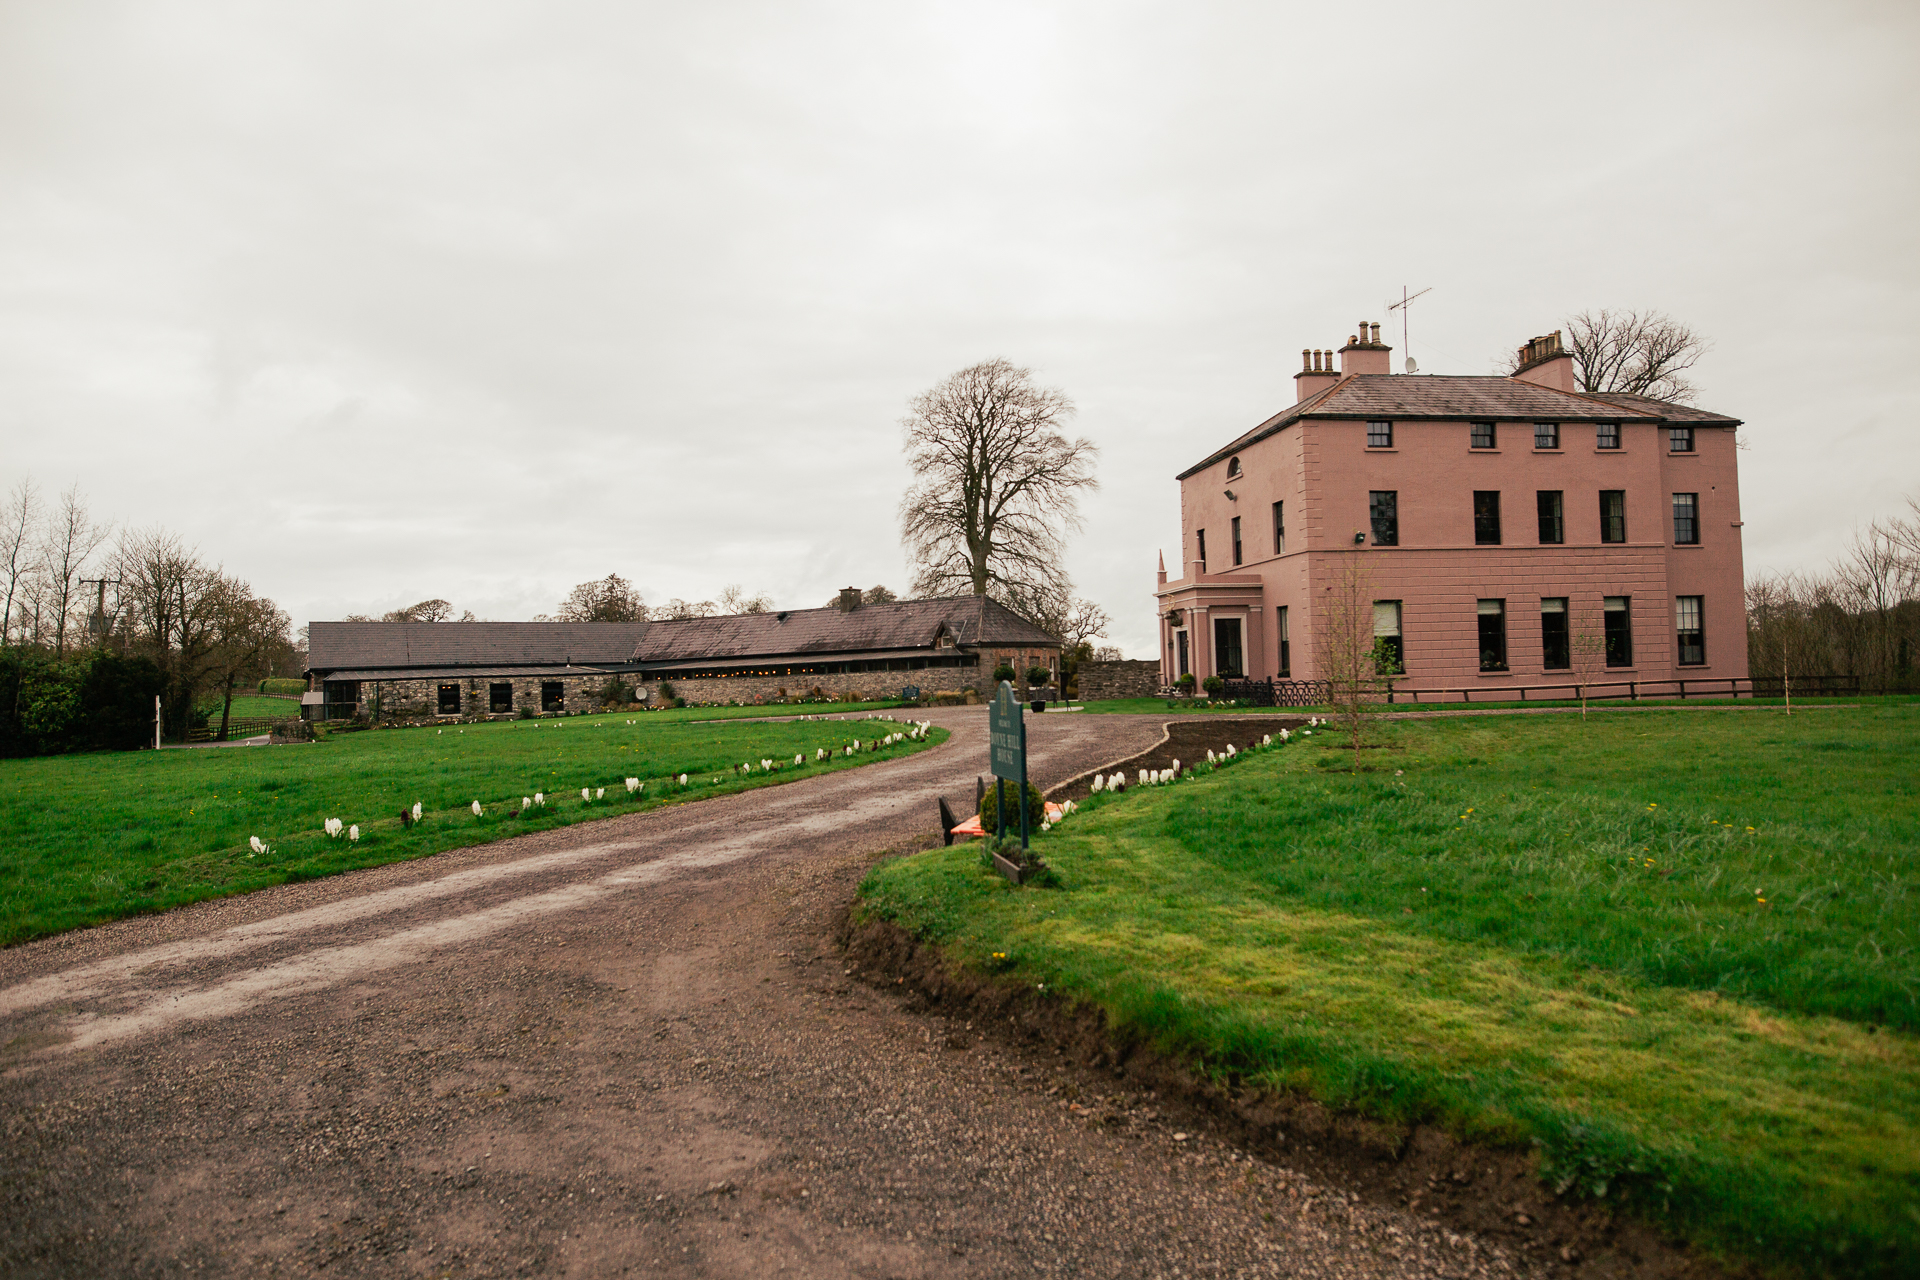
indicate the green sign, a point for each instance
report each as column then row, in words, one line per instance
column 1007, row 736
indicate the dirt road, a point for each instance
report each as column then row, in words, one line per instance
column 627, row 1047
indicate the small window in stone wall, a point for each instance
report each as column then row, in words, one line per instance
column 450, row 699
column 500, row 699
column 553, row 695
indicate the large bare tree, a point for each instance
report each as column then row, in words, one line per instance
column 19, row 523
column 610, row 599
column 1642, row 353
column 996, row 483
column 177, row 603
column 248, row 631
column 70, row 539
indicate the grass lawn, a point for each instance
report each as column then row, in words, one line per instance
column 93, row 837
column 1675, row 949
column 255, row 705
column 1181, row 706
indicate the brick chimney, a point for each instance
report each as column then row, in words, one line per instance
column 1545, row 363
column 1316, row 374
column 1365, row 353
column 849, row 599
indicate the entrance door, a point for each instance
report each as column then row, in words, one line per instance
column 1184, row 663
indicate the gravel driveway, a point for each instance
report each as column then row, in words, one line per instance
column 625, row 1047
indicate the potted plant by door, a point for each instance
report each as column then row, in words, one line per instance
column 1038, row 678
column 1185, row 685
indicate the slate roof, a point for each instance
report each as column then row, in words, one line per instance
column 333, row 646
column 383, row 650
column 465, row 673
column 1477, row 399
column 903, row 625
column 1666, row 409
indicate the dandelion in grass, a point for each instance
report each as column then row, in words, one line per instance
column 476, row 809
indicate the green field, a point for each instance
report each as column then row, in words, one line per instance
column 1182, row 706
column 254, row 706
column 90, row 838
column 1674, row 948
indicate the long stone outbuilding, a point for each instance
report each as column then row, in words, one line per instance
column 399, row 671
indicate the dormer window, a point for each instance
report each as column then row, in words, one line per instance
column 943, row 641
column 1233, row 468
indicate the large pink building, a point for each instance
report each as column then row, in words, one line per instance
column 1501, row 521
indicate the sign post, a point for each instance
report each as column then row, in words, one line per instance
column 1007, row 754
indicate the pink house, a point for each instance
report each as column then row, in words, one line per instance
column 1504, row 525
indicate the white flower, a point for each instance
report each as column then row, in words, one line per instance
column 799, row 759
column 1099, row 782
column 683, row 779
column 633, row 785
column 1143, row 777
column 767, row 764
column 333, row 827
column 254, row 843
column 353, row 832
column 540, row 798
column 820, row 754
column 1210, row 755
column 526, row 803
column 438, row 732
column 1176, row 768
column 599, row 793
column 1285, row 734
column 1230, row 750
column 856, row 744
column 417, row 811
column 476, row 808
column 1046, row 826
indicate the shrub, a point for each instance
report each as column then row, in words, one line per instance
column 93, row 701
column 1003, row 672
column 283, row 686
column 1185, row 682
column 1213, row 685
column 1036, row 808
column 1040, row 676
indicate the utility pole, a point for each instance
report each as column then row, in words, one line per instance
column 97, row 624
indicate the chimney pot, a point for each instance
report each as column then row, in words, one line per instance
column 1306, row 360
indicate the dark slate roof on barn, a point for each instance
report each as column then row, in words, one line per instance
column 468, row 673
column 1401, row 398
column 384, row 650
column 872, row 628
column 333, row 646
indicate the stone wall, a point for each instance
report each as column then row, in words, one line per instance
column 408, row 700
column 1127, row 678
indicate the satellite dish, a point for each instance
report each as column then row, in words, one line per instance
column 1411, row 366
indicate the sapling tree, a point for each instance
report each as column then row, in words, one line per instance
column 1347, row 645
column 1587, row 654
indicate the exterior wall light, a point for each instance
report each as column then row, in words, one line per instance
column 1359, row 539
column 1231, row 496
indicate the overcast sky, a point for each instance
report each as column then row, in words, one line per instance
column 380, row 302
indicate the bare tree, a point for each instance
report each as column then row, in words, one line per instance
column 734, row 600
column 611, row 599
column 1642, row 353
column 19, row 520
column 1586, row 651
column 176, row 602
column 70, row 540
column 435, row 610
column 1350, row 660
column 247, row 632
column 996, row 483
column 677, row 609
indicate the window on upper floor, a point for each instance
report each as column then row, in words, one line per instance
column 1486, row 517
column 1379, row 435
column 1546, row 435
column 1613, row 515
column 1233, row 468
column 1200, row 548
column 1686, row 519
column 1480, row 435
column 1606, row 435
column 1235, row 527
column 1279, row 528
column 1680, row 439
column 1551, row 508
column 1383, row 510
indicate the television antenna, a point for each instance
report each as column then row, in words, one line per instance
column 1403, row 307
